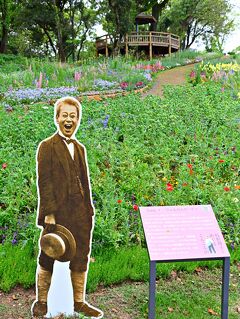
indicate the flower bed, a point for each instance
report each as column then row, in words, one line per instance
column 228, row 74
column 38, row 81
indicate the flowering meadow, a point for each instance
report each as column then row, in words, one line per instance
column 177, row 151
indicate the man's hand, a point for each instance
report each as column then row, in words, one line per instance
column 50, row 223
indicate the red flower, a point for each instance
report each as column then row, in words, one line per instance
column 190, row 167
column 221, row 161
column 135, row 207
column 4, row 165
column 139, row 84
column 169, row 187
column 119, row 201
column 227, row 189
column 124, row 85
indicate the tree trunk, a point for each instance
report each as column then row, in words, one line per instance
column 59, row 16
column 72, row 17
column 4, row 39
column 4, row 33
column 156, row 12
column 50, row 40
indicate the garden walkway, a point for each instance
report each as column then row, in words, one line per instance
column 175, row 76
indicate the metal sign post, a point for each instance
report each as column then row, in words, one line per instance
column 184, row 233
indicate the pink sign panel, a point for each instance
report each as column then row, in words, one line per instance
column 182, row 232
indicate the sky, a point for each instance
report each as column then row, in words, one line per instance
column 231, row 42
column 233, row 39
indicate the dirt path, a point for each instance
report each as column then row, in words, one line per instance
column 175, row 76
column 129, row 300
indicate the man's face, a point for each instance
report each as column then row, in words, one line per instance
column 67, row 119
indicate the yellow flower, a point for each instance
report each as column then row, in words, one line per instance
column 238, row 95
column 164, row 179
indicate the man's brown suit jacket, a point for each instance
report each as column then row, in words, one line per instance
column 53, row 177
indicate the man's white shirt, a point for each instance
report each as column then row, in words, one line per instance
column 70, row 146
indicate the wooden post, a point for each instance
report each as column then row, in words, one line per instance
column 169, row 44
column 150, row 45
column 126, row 45
column 106, row 48
column 97, row 54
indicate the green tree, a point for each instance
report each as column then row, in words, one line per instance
column 194, row 19
column 118, row 18
column 64, row 24
column 7, row 14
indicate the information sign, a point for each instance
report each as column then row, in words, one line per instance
column 184, row 233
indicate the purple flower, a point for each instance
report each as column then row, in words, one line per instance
column 14, row 241
column 105, row 121
column 147, row 76
column 39, row 94
column 104, row 84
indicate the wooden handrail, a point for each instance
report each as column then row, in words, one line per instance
column 143, row 38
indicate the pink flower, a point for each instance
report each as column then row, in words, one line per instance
column 124, row 85
column 77, row 76
column 192, row 74
column 39, row 82
column 4, row 165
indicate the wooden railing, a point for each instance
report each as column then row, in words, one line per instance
column 155, row 38
column 144, row 38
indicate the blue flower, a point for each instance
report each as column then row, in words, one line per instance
column 105, row 121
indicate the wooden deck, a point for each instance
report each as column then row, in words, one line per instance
column 153, row 43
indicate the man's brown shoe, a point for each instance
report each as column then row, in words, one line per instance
column 39, row 309
column 87, row 310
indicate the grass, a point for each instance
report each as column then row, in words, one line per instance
column 184, row 290
column 18, row 266
column 181, row 295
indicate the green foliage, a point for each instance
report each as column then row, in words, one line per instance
column 204, row 19
column 18, row 266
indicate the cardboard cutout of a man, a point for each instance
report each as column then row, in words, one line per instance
column 65, row 203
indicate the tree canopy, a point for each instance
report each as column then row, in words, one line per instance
column 63, row 28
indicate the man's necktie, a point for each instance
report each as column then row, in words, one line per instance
column 69, row 140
